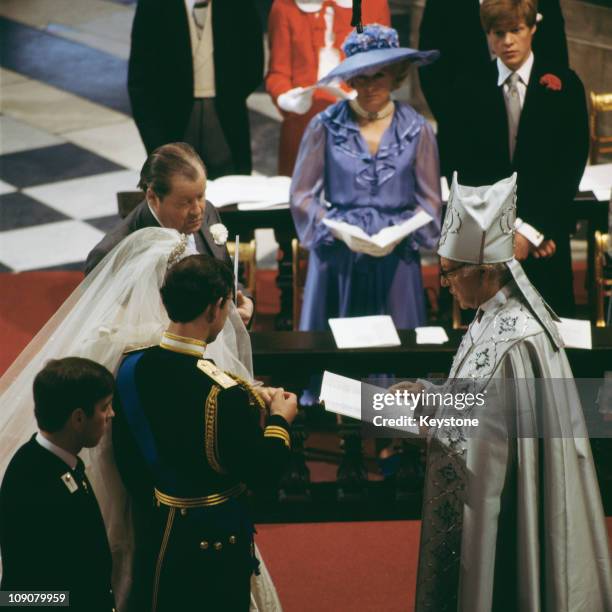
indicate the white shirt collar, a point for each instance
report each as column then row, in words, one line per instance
column 68, row 458
column 524, row 72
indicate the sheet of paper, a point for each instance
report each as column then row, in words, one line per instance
column 341, row 395
column 444, row 188
column 431, row 335
column 383, row 239
column 263, row 206
column 234, row 189
column 576, row 333
column 364, row 332
column 598, row 179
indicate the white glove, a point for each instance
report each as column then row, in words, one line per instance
column 296, row 100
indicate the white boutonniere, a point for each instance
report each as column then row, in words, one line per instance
column 219, row 233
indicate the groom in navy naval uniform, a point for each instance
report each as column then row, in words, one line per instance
column 524, row 115
column 173, row 180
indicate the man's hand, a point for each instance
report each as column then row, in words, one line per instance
column 411, row 387
column 284, row 404
column 547, row 249
column 522, row 247
column 244, row 306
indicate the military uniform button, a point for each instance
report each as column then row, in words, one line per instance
column 183, row 511
column 204, row 545
column 218, row 546
column 232, row 539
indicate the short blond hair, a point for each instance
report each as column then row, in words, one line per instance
column 504, row 14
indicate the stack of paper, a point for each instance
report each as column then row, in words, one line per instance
column 265, row 191
column 388, row 237
column 431, row 335
column 364, row 332
column 597, row 179
column 575, row 333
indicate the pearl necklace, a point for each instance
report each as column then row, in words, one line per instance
column 385, row 111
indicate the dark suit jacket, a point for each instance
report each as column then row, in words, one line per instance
column 160, row 73
column 140, row 218
column 453, row 27
column 550, row 155
column 50, row 538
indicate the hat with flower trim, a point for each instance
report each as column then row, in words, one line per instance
column 374, row 48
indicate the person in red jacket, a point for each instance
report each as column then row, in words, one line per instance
column 305, row 44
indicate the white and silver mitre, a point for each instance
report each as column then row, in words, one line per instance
column 479, row 223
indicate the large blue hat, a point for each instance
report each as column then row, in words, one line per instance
column 376, row 47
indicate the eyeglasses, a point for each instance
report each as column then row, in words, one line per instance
column 446, row 274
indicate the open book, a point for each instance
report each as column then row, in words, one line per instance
column 384, row 241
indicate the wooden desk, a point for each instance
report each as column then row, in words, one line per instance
column 290, row 358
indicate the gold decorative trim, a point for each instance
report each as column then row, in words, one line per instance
column 254, row 397
column 274, row 431
column 176, row 349
column 210, row 430
column 161, row 555
column 213, row 499
column 185, row 339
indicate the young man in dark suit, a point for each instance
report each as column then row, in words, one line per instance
column 193, row 63
column 188, row 440
column 453, row 27
column 173, row 180
column 52, row 537
column 524, row 115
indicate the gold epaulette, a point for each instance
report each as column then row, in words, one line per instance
column 132, row 348
column 219, row 376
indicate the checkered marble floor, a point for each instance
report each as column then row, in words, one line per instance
column 68, row 143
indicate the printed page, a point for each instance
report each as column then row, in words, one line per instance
column 341, row 395
column 431, row 335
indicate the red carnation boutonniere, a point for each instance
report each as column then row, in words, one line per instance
column 551, row 81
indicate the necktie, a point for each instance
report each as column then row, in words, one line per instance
column 79, row 475
column 513, row 108
column 199, row 15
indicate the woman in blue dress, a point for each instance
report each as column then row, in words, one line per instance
column 373, row 163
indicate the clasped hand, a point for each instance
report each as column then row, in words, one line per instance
column 279, row 402
column 523, row 248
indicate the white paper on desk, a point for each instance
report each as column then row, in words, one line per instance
column 234, row 189
column 341, row 395
column 575, row 333
column 364, row 332
column 387, row 236
column 263, row 206
column 431, row 335
column 598, row 179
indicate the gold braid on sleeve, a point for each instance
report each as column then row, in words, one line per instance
column 211, row 446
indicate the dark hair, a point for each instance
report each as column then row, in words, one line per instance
column 193, row 284
column 167, row 161
column 64, row 385
column 507, row 13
